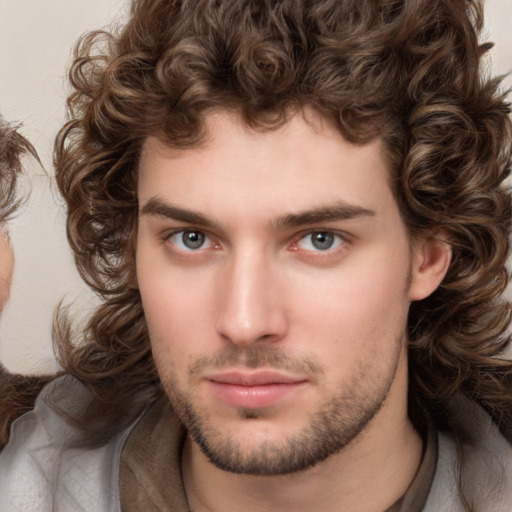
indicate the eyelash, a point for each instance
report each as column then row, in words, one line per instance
column 338, row 239
column 182, row 232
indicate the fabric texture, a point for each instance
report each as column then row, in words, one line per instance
column 150, row 472
column 150, row 476
column 43, row 468
column 483, row 460
column 416, row 496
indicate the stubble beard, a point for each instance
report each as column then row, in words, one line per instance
column 333, row 427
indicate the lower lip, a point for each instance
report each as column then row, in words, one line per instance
column 254, row 397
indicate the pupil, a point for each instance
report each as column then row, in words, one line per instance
column 193, row 239
column 322, row 240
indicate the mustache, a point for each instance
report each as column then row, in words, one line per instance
column 256, row 356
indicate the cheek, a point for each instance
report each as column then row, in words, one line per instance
column 177, row 307
column 361, row 309
column 6, row 269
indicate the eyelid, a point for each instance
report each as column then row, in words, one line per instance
column 344, row 237
column 208, row 238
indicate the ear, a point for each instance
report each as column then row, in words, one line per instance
column 432, row 255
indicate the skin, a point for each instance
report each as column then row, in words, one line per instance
column 6, row 267
column 255, row 288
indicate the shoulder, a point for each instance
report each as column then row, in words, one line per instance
column 477, row 459
column 44, row 467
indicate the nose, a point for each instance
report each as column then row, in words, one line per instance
column 251, row 303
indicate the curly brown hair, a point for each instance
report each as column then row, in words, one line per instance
column 408, row 71
column 12, row 147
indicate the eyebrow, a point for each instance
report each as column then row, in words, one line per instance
column 158, row 208
column 339, row 211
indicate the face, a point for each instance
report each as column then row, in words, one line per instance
column 6, row 267
column 274, row 270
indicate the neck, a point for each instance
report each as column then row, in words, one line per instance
column 369, row 475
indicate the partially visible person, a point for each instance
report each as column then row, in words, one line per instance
column 12, row 387
column 12, row 146
column 6, row 266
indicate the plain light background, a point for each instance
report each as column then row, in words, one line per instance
column 36, row 41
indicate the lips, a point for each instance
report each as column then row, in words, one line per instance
column 254, row 390
column 259, row 378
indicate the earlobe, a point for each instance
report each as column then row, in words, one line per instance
column 431, row 259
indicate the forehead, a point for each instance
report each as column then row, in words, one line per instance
column 302, row 164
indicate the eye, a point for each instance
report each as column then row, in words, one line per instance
column 190, row 240
column 320, row 241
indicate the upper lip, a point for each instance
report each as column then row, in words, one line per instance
column 257, row 378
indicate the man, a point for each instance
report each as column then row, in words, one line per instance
column 295, row 215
